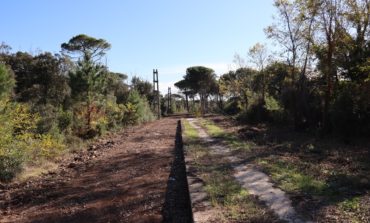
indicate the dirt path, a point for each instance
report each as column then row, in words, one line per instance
column 121, row 179
column 255, row 181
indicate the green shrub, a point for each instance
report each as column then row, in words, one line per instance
column 195, row 109
column 88, row 119
column 49, row 146
column 350, row 110
column 7, row 81
column 10, row 165
column 65, row 119
column 16, row 137
column 271, row 104
column 115, row 114
column 232, row 106
column 256, row 113
column 137, row 109
column 19, row 141
column 48, row 117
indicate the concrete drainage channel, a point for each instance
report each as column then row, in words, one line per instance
column 177, row 206
column 255, row 181
column 202, row 210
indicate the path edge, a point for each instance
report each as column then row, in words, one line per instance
column 201, row 206
column 180, row 145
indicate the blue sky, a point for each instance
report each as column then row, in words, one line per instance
column 169, row 35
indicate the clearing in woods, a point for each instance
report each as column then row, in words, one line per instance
column 138, row 175
column 295, row 177
column 127, row 177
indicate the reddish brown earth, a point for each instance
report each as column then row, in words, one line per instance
column 123, row 178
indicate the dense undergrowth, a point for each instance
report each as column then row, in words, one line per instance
column 51, row 105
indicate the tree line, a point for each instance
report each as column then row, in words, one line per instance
column 318, row 77
column 50, row 103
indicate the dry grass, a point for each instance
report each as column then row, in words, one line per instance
column 326, row 179
column 32, row 171
column 234, row 203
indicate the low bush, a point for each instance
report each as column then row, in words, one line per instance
column 137, row 109
column 351, row 114
column 65, row 119
column 19, row 141
column 255, row 114
column 232, row 106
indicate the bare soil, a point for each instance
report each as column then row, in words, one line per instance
column 129, row 176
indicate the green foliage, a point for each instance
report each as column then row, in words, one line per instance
column 59, row 101
column 172, row 109
column 48, row 117
column 222, row 189
column 137, row 109
column 93, row 88
column 237, row 86
column 115, row 114
column 47, row 74
column 185, row 88
column 144, row 88
column 65, row 119
column 351, row 110
column 290, row 179
column 49, row 146
column 212, row 129
column 7, row 81
column 10, row 151
column 232, row 141
column 233, row 106
column 10, row 164
column 190, row 132
column 88, row 84
column 19, row 141
column 116, row 86
column 256, row 113
column 144, row 113
column 86, row 46
column 199, row 80
column 319, row 83
column 233, row 202
column 88, row 81
column 40, row 78
column 195, row 109
column 351, row 204
column 89, row 119
column 271, row 104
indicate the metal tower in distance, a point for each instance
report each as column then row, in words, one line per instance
column 169, row 101
column 157, row 100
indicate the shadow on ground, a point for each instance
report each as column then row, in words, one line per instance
column 130, row 183
column 177, row 206
column 343, row 168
